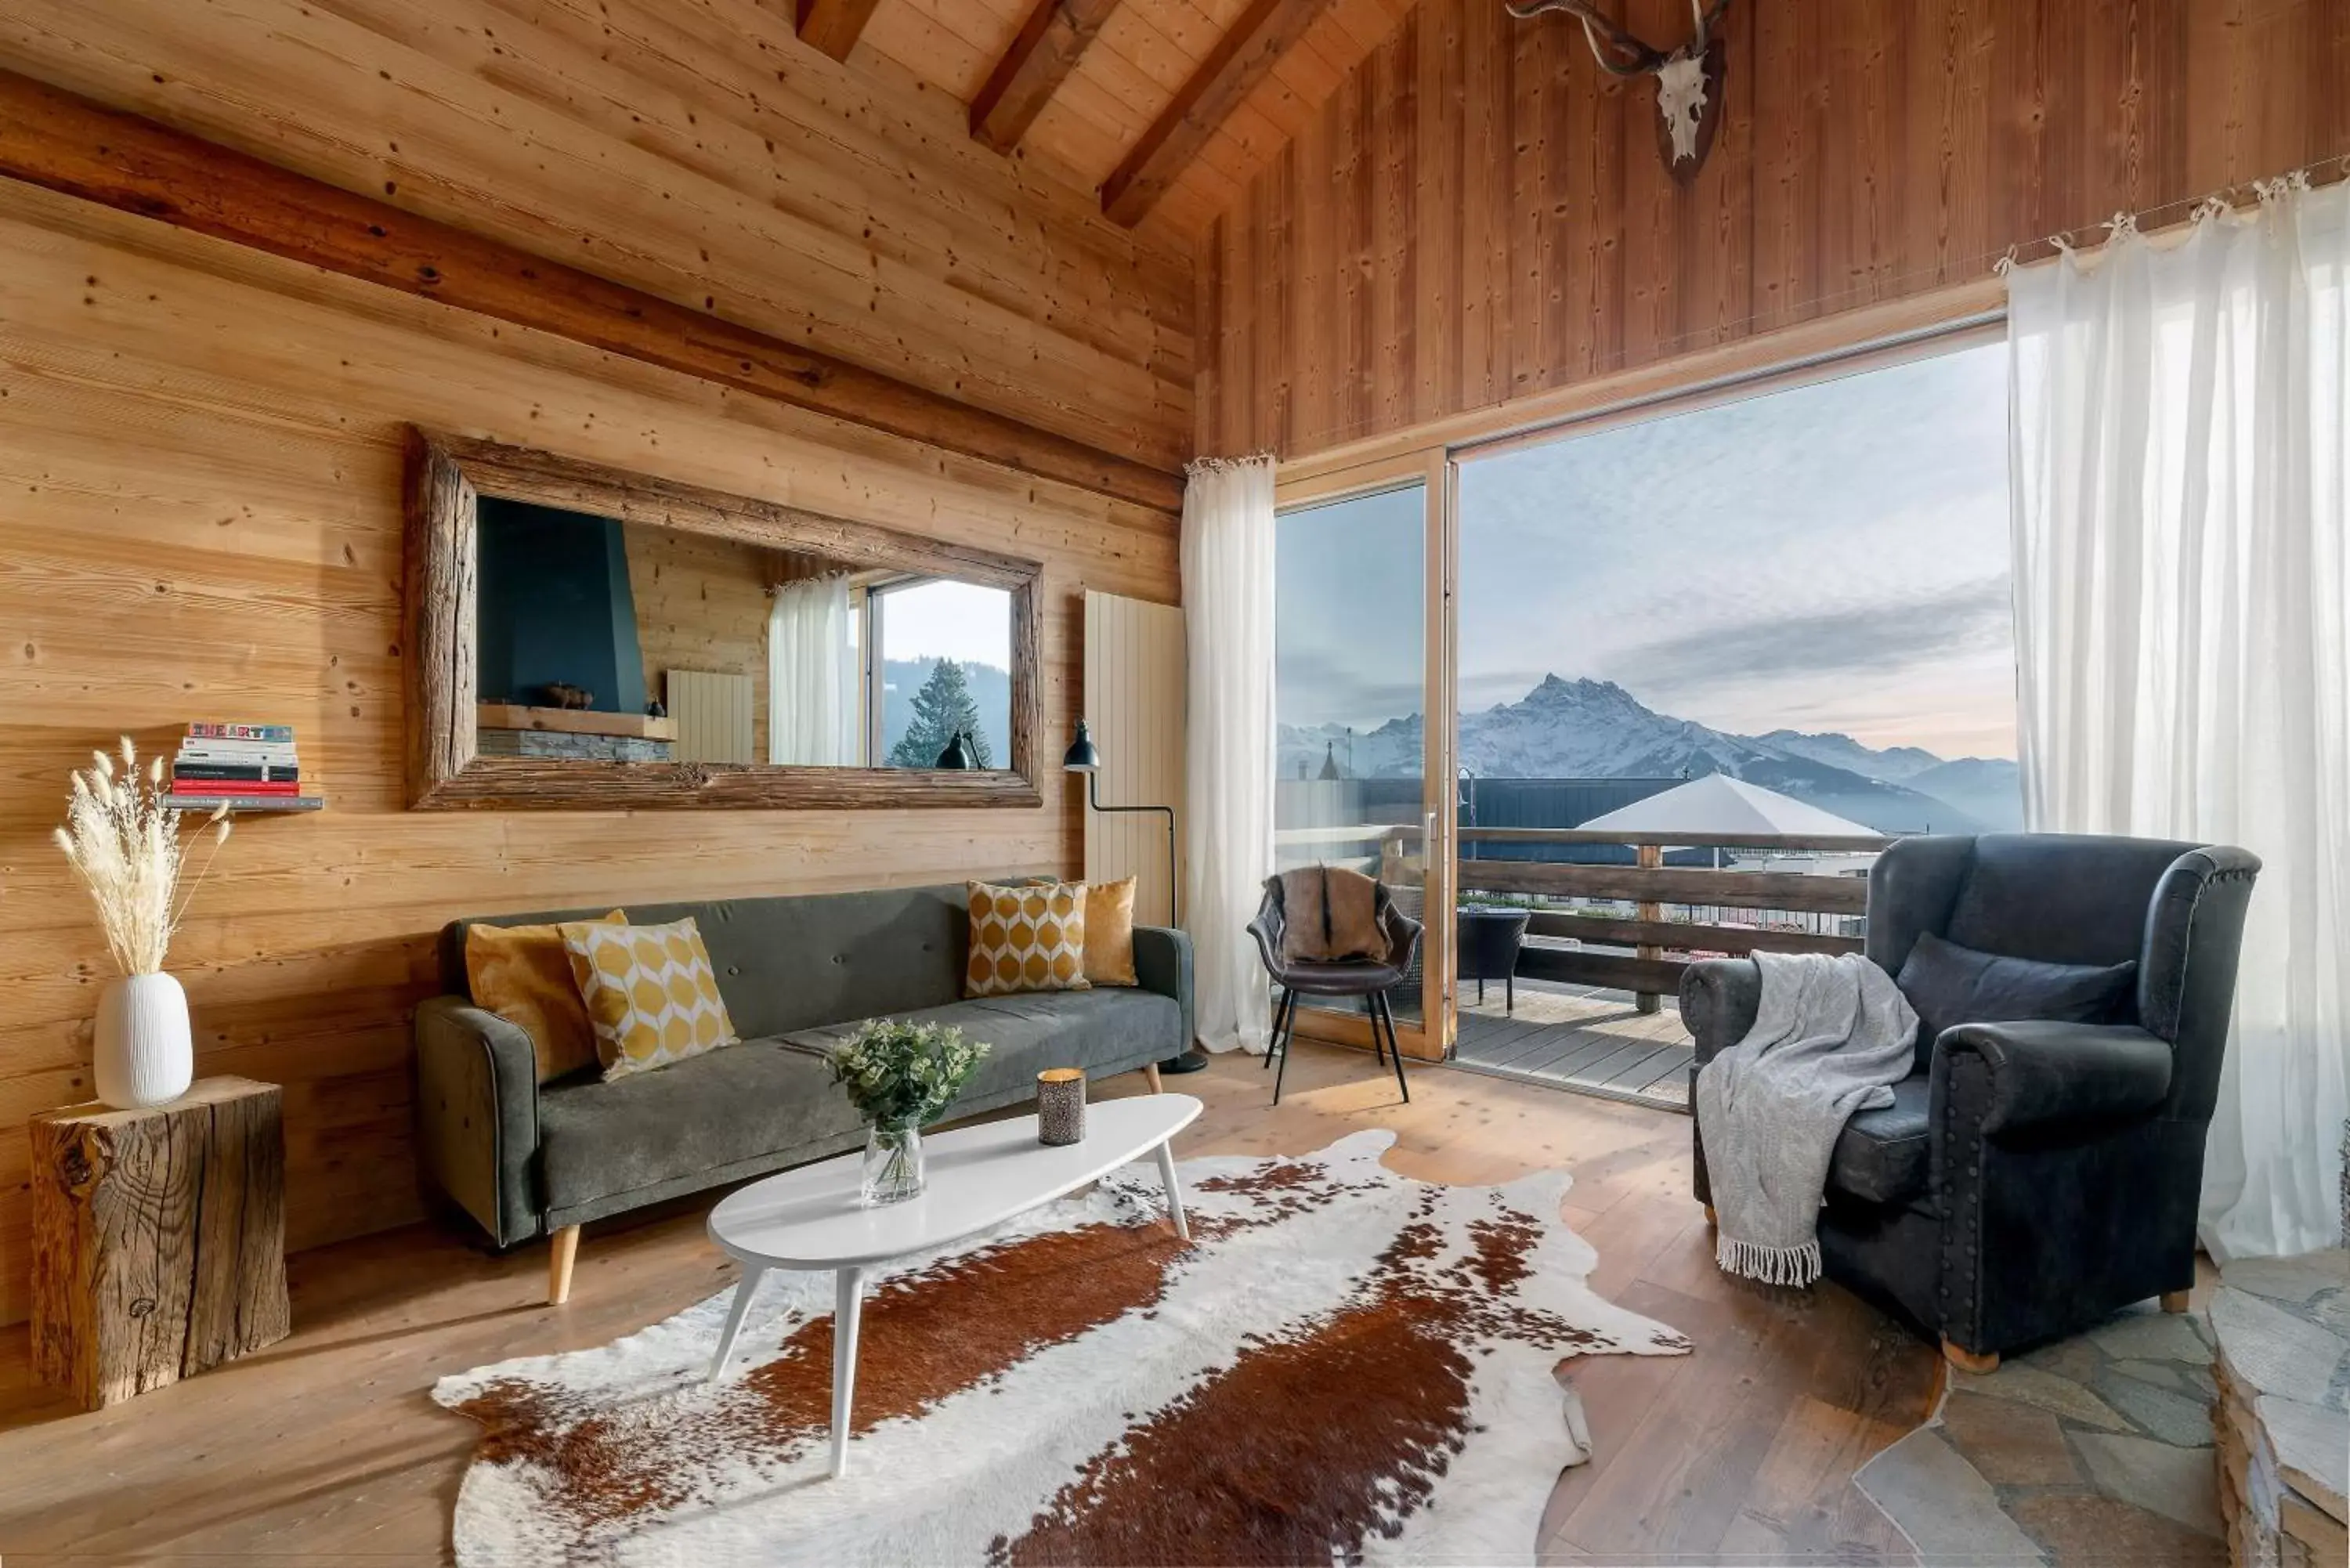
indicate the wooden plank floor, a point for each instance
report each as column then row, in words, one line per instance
column 325, row 1448
column 1580, row 1037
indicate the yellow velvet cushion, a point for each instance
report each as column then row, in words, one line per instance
column 1026, row 938
column 522, row 973
column 651, row 994
column 1109, row 932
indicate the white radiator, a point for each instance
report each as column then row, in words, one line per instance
column 1134, row 705
column 712, row 714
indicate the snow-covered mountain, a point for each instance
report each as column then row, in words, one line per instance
column 1898, row 764
column 1596, row 729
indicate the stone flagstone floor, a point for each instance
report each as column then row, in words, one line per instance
column 2095, row 1450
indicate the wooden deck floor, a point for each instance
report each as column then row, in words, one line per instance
column 1579, row 1037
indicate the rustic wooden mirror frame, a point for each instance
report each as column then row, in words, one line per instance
column 446, row 475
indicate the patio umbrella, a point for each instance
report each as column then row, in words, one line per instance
column 1717, row 802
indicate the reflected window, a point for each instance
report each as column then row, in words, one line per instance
column 939, row 665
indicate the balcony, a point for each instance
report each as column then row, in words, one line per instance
column 1607, row 943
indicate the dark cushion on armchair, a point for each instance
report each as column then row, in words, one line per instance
column 1949, row 984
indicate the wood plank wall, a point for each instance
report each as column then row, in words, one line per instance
column 1477, row 214
column 694, row 149
column 200, row 486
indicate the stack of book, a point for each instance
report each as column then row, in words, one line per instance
column 248, row 766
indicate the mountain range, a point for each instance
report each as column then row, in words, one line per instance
column 1596, row 729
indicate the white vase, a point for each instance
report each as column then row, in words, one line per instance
column 145, row 1055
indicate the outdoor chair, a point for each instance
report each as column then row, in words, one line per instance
column 1488, row 949
column 1350, row 977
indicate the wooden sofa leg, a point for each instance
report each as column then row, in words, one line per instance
column 561, row 1252
column 1151, row 1076
column 1711, row 1218
column 2176, row 1301
column 1968, row 1360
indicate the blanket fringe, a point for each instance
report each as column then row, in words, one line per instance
column 1771, row 1265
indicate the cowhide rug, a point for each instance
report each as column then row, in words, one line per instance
column 1347, row 1365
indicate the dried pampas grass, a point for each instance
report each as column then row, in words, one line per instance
column 124, row 842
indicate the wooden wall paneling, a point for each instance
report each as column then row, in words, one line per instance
column 1435, row 50
column 834, row 26
column 1486, row 162
column 726, row 124
column 519, row 134
column 1394, row 207
column 1873, row 151
column 68, row 143
column 200, row 451
column 1359, row 150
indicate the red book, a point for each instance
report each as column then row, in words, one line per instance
column 213, row 789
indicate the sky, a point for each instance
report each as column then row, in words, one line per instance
column 947, row 619
column 1832, row 557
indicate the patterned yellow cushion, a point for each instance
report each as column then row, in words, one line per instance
column 1026, row 938
column 522, row 973
column 650, row 993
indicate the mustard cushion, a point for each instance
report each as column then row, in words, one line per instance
column 1026, row 938
column 1109, row 932
column 522, row 973
column 651, row 991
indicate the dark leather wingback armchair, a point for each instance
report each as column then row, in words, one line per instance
column 2031, row 1178
column 1346, row 977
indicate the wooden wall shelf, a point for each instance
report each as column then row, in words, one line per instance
column 573, row 722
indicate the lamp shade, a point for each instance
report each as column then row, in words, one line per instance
column 957, row 755
column 1083, row 756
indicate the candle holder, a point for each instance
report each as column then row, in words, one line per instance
column 1061, row 1107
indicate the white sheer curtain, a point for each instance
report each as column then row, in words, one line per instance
column 1227, row 557
column 812, row 717
column 2180, row 436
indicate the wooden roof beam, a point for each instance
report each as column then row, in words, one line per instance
column 1040, row 59
column 835, row 26
column 1240, row 61
column 62, row 141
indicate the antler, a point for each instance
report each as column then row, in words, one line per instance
column 1596, row 27
column 1705, row 20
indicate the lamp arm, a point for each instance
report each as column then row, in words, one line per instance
column 1174, row 889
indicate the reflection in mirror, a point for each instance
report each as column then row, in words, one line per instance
column 615, row 641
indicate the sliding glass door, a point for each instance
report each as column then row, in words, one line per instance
column 1360, row 755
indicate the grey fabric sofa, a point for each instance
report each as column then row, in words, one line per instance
column 799, row 975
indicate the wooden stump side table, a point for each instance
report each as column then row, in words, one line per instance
column 159, row 1239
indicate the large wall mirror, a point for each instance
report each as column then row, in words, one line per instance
column 591, row 638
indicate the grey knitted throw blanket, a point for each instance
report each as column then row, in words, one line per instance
column 1831, row 1037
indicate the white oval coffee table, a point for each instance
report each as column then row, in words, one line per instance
column 978, row 1176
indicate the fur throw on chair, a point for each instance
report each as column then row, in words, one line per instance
column 1331, row 914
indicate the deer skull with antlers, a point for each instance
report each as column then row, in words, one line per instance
column 1689, row 79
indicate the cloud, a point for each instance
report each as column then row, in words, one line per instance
column 1321, row 686
column 1968, row 618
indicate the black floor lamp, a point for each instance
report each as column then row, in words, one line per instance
column 1084, row 757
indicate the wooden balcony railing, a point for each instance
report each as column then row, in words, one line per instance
column 1676, row 908
column 1649, row 970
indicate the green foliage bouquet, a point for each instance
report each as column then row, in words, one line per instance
column 902, row 1075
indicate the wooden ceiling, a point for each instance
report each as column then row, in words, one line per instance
column 1166, row 107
